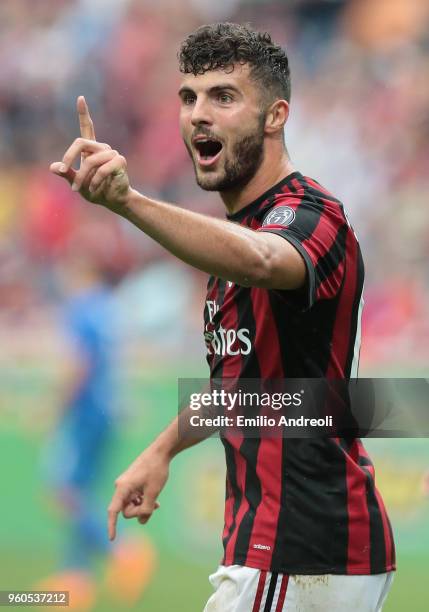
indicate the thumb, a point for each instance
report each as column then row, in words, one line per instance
column 57, row 168
column 147, row 508
column 133, row 510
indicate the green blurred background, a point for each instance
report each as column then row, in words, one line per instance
column 359, row 124
column 185, row 531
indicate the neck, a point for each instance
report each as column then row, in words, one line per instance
column 270, row 172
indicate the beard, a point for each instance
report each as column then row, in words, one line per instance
column 240, row 166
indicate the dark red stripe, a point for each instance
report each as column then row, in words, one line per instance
column 323, row 236
column 259, row 591
column 282, row 594
column 228, row 514
column 330, row 285
column 231, row 367
column 292, row 201
column 297, row 185
column 269, row 465
column 386, row 529
column 318, row 187
column 358, row 551
column 392, row 549
column 267, row 341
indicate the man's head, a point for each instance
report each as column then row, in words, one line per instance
column 234, row 96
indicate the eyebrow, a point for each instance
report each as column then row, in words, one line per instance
column 213, row 89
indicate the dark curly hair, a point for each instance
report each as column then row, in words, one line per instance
column 221, row 45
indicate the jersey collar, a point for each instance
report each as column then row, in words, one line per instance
column 256, row 204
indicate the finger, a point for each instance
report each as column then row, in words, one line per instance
column 138, row 500
column 115, row 168
column 142, row 511
column 58, row 169
column 131, row 511
column 134, row 509
column 85, row 122
column 113, row 511
column 82, row 145
column 91, row 165
column 148, row 507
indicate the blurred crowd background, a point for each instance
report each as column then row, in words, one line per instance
column 86, row 299
column 359, row 124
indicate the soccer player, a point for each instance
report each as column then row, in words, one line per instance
column 305, row 527
column 83, row 434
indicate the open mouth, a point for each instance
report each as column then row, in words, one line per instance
column 208, row 150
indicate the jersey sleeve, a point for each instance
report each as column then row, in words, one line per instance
column 319, row 233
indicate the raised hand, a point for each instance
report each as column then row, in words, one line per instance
column 102, row 177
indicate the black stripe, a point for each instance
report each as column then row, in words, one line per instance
column 210, row 283
column 377, row 552
column 319, row 193
column 329, row 262
column 271, row 591
column 304, row 337
column 218, row 360
column 312, row 530
column 235, row 490
column 253, row 493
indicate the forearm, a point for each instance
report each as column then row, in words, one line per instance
column 180, row 435
column 223, row 249
column 215, row 246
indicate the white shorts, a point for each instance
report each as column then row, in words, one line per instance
column 244, row 589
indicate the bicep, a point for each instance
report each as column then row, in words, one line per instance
column 286, row 266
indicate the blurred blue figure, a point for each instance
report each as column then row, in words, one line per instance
column 90, row 321
column 79, row 448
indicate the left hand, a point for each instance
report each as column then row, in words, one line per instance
column 137, row 489
column 102, row 177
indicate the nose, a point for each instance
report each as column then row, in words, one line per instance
column 201, row 112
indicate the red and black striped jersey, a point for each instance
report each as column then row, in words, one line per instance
column 298, row 506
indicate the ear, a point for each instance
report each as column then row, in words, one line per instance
column 277, row 115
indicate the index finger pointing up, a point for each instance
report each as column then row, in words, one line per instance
column 85, row 121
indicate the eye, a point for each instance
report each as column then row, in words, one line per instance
column 225, row 98
column 188, row 99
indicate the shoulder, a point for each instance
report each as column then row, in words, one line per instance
column 301, row 194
